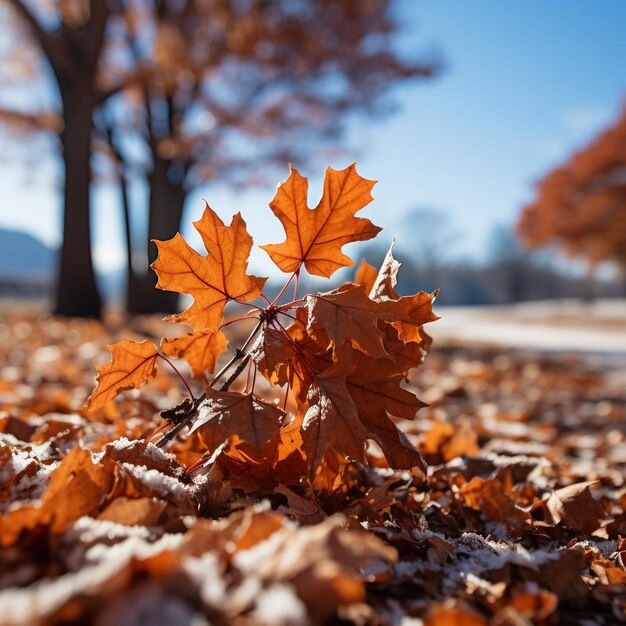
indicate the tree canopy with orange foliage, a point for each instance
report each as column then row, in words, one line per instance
column 580, row 206
column 179, row 93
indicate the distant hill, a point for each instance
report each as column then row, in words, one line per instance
column 24, row 256
column 28, row 268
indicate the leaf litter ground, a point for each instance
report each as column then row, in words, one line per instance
column 519, row 521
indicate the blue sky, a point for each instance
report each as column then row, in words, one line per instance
column 525, row 83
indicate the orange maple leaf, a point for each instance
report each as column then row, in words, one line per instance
column 200, row 349
column 132, row 365
column 365, row 275
column 212, row 280
column 315, row 236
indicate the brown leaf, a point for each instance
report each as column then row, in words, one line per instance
column 322, row 562
column 331, row 422
column 491, row 498
column 237, row 417
column 416, row 310
column 315, row 236
column 348, row 316
column 574, row 506
column 144, row 511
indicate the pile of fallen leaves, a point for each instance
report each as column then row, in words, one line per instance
column 307, row 494
column 520, row 520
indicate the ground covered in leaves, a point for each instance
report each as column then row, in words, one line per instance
column 519, row 521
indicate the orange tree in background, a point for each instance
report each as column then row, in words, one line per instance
column 580, row 206
column 180, row 93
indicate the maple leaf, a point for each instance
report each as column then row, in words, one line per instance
column 331, row 421
column 132, row 365
column 375, row 387
column 415, row 310
column 200, row 349
column 212, row 280
column 365, row 275
column 348, row 315
column 229, row 414
column 315, row 236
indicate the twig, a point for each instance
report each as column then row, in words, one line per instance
column 240, row 355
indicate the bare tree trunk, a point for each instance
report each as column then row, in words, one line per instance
column 167, row 199
column 77, row 292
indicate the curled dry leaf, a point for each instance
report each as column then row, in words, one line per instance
column 574, row 506
column 315, row 236
column 133, row 364
column 322, row 562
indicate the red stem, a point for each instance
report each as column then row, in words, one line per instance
column 179, row 375
column 237, row 319
column 253, row 306
column 282, row 291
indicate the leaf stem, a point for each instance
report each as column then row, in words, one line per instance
column 179, row 374
column 282, row 291
column 291, row 304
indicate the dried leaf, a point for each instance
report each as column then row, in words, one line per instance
column 348, row 316
column 574, row 506
column 132, row 365
column 315, row 236
column 237, row 417
column 200, row 349
column 212, row 280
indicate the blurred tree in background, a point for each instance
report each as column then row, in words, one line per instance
column 175, row 93
column 580, row 206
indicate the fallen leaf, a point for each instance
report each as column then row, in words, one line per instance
column 574, row 506
column 144, row 511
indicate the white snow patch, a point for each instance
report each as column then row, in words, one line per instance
column 279, row 605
